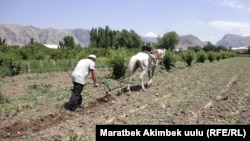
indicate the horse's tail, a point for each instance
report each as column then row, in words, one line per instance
column 132, row 66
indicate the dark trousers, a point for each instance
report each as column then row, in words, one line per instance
column 76, row 97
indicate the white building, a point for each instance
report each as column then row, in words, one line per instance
column 51, row 46
column 240, row 49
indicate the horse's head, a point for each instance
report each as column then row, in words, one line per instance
column 161, row 54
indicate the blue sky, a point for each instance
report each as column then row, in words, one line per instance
column 209, row 20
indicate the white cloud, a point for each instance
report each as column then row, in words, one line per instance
column 230, row 3
column 151, row 34
column 242, row 27
column 227, row 25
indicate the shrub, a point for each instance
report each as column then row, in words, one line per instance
column 169, row 60
column 12, row 62
column 201, row 56
column 211, row 56
column 227, row 54
column 224, row 55
column 217, row 56
column 117, row 63
column 188, row 56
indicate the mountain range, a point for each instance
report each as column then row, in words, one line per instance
column 15, row 34
column 232, row 40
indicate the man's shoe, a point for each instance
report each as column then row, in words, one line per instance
column 70, row 109
column 79, row 106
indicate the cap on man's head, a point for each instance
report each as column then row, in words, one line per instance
column 92, row 56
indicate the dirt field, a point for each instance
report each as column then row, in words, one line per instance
column 209, row 93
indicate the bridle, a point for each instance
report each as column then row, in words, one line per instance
column 159, row 56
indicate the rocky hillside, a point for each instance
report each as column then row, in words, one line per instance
column 185, row 41
column 21, row 35
column 232, row 40
column 189, row 41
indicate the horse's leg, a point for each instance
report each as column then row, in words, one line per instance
column 129, row 80
column 141, row 77
column 131, row 71
column 151, row 74
column 149, row 77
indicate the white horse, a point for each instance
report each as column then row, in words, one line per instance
column 144, row 61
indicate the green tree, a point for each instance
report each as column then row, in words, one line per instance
column 116, row 42
column 100, row 41
column 2, row 41
column 61, row 45
column 112, row 38
column 129, row 39
column 220, row 48
column 68, row 42
column 124, row 38
column 168, row 41
column 136, row 40
column 209, row 47
column 107, row 38
column 93, row 37
column 195, row 48
column 32, row 41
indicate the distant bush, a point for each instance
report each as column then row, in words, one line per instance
column 217, row 56
column 211, row 56
column 223, row 55
column 169, row 60
column 201, row 56
column 188, row 56
column 227, row 54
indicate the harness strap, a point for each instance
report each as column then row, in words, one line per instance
column 153, row 56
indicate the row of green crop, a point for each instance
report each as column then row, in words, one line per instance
column 190, row 56
column 34, row 66
column 117, row 60
column 12, row 63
